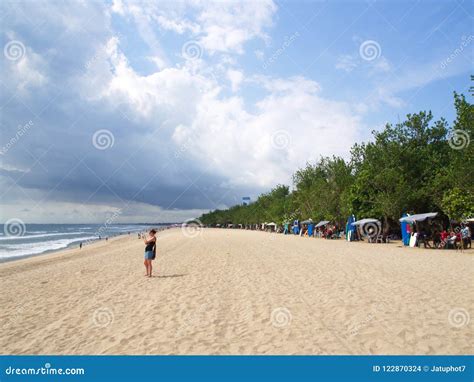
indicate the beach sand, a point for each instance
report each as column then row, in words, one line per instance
column 239, row 292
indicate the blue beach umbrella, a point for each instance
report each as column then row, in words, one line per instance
column 405, row 234
column 350, row 229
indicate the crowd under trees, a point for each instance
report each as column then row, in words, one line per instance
column 415, row 166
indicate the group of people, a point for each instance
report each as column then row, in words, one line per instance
column 327, row 231
column 441, row 238
column 460, row 236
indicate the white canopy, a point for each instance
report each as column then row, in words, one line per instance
column 307, row 221
column 321, row 223
column 365, row 221
column 272, row 224
column 470, row 220
column 418, row 217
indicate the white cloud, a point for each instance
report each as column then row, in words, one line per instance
column 235, row 77
column 219, row 26
column 30, row 71
column 221, row 134
column 346, row 63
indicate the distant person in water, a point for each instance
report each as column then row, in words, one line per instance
column 150, row 251
column 80, row 245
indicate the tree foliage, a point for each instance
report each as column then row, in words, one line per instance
column 414, row 166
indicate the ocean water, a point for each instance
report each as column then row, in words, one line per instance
column 35, row 239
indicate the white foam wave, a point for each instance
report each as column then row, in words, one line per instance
column 26, row 237
column 18, row 250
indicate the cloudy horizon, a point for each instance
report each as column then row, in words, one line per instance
column 160, row 111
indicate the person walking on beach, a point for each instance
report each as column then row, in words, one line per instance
column 150, row 251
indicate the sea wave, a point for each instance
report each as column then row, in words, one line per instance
column 26, row 237
column 27, row 249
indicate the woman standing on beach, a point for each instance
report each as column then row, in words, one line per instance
column 150, row 251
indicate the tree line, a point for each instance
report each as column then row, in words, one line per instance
column 415, row 166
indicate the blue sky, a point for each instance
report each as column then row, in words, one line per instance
column 163, row 110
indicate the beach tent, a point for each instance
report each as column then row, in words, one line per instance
column 350, row 229
column 271, row 225
column 361, row 223
column 309, row 221
column 405, row 232
column 296, row 227
column 413, row 219
column 418, row 217
column 321, row 223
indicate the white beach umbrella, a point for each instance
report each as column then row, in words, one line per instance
column 366, row 221
column 418, row 217
column 321, row 223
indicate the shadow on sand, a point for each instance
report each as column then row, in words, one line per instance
column 167, row 276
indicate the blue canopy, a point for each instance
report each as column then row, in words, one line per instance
column 405, row 233
column 350, row 229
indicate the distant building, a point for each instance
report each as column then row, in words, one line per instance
column 245, row 200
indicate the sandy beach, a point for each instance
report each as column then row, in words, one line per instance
column 239, row 292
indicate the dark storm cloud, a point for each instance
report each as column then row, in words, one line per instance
column 57, row 154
